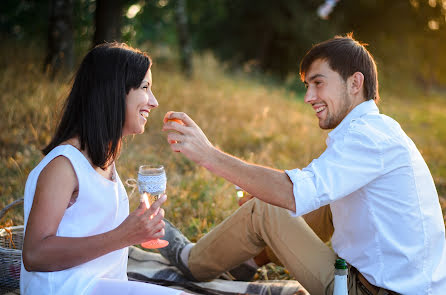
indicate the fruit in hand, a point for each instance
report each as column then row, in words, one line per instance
column 166, row 119
column 176, row 120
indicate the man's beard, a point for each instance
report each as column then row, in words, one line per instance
column 332, row 120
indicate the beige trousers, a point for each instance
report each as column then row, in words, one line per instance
column 255, row 225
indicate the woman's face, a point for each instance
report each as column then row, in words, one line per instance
column 139, row 103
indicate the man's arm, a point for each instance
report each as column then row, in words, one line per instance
column 267, row 184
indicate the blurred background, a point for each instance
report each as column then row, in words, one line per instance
column 407, row 37
column 233, row 66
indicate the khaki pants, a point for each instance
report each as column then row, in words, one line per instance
column 255, row 225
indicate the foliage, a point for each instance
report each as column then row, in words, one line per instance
column 406, row 36
column 268, row 36
column 18, row 18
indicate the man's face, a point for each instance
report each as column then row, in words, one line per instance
column 327, row 93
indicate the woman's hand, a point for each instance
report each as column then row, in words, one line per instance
column 186, row 137
column 143, row 224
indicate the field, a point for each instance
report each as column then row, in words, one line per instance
column 250, row 117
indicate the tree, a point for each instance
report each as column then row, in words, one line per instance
column 108, row 21
column 183, row 37
column 60, row 53
column 265, row 36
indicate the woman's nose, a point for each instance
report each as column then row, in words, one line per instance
column 152, row 101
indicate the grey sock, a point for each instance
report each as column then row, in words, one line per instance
column 185, row 254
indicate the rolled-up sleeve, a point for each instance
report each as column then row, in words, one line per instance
column 349, row 163
column 303, row 184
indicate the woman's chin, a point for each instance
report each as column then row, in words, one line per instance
column 133, row 132
column 140, row 131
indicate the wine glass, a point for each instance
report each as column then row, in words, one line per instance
column 152, row 185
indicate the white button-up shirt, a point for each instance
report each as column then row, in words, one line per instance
column 386, row 213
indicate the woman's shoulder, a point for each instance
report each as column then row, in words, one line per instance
column 59, row 170
column 70, row 149
column 58, row 166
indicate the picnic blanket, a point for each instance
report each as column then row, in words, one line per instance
column 153, row 268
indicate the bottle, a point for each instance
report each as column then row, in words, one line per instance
column 240, row 192
column 340, row 278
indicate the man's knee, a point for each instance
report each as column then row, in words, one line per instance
column 321, row 222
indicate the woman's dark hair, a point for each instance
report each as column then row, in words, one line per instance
column 95, row 108
column 345, row 56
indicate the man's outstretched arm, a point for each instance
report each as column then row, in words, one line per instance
column 267, row 184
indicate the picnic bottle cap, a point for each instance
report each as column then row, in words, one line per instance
column 340, row 264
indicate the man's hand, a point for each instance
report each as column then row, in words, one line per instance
column 186, row 137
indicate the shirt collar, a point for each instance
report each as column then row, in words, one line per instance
column 366, row 107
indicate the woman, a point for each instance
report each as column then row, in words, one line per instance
column 77, row 218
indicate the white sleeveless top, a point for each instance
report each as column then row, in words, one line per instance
column 101, row 206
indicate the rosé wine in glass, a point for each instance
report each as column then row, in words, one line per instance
column 152, row 182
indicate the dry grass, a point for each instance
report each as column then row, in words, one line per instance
column 256, row 122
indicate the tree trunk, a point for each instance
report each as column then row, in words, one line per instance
column 60, row 54
column 183, row 38
column 108, row 19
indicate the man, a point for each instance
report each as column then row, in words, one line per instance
column 387, row 220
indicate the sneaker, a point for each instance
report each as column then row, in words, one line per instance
column 172, row 252
column 243, row 272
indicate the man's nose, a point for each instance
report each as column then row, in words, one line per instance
column 309, row 96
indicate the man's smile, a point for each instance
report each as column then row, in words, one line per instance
column 320, row 109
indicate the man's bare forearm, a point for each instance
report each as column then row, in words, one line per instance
column 269, row 185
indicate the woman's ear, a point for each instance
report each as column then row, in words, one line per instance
column 356, row 83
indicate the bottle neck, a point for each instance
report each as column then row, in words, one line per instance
column 341, row 272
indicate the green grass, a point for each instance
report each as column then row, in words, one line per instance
column 256, row 121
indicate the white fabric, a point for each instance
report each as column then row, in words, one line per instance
column 119, row 287
column 386, row 213
column 101, row 206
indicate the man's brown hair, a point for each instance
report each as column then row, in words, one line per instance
column 345, row 56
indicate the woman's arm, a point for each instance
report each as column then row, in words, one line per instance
column 44, row 251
